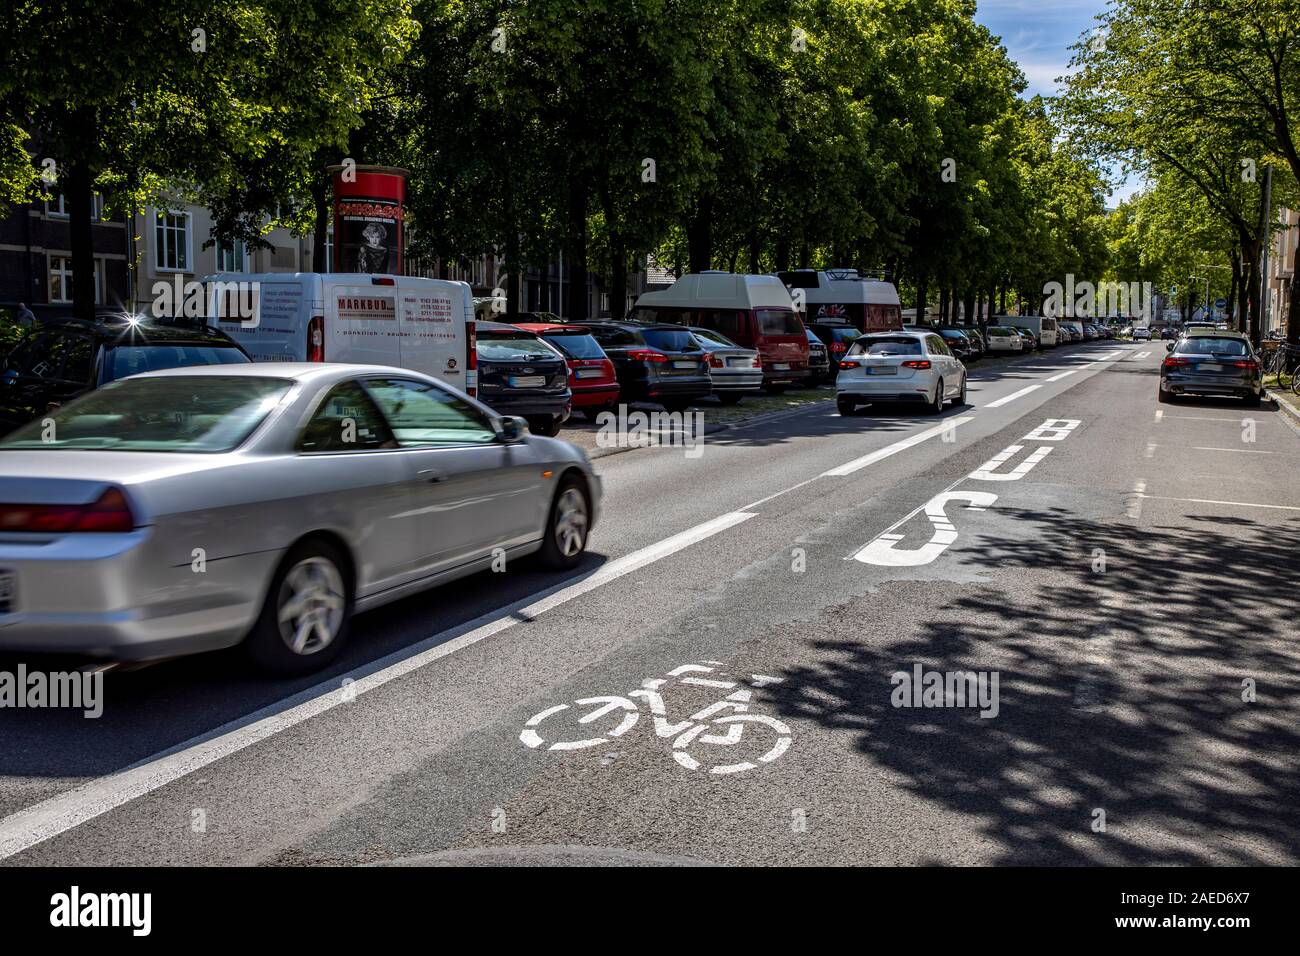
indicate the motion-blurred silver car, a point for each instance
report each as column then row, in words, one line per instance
column 193, row 509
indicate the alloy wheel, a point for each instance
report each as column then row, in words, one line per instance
column 311, row 605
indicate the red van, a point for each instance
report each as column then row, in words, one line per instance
column 753, row 311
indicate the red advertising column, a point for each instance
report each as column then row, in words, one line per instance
column 369, row 209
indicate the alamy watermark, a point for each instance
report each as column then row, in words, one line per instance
column 925, row 689
column 230, row 301
column 627, row 429
column 1086, row 299
column 75, row 690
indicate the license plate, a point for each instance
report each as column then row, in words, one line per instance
column 1209, row 367
column 739, row 363
column 7, row 589
column 686, row 365
column 589, row 373
column 527, row 381
column 781, row 366
column 881, row 370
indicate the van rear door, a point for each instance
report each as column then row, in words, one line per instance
column 782, row 344
column 361, row 321
column 433, row 319
column 282, row 308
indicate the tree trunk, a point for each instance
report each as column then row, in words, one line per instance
column 753, row 252
column 578, row 310
column 78, row 195
column 320, row 200
column 1250, row 250
column 945, row 298
column 922, row 293
column 969, row 306
column 699, row 235
column 1235, row 314
column 782, row 254
column 514, row 272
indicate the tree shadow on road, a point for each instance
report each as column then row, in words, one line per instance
column 1120, row 690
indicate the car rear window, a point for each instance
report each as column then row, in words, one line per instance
column 124, row 360
column 170, row 413
column 778, row 322
column 1211, row 345
column 670, row 340
column 997, row 331
column 953, row 334
column 504, row 347
column 901, row 345
column 711, row 339
column 578, row 345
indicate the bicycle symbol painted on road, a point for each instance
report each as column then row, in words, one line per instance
column 726, row 723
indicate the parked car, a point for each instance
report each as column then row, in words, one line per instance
column 1211, row 362
column 960, row 342
column 519, row 374
column 425, row 325
column 357, row 485
column 1043, row 327
column 592, row 379
column 837, row 335
column 1031, row 342
column 655, row 362
column 1002, row 339
column 1089, row 332
column 819, row 361
column 902, row 367
column 753, row 311
column 64, row 358
column 1141, row 333
column 733, row 370
column 1072, row 327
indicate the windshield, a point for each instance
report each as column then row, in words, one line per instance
column 173, row 413
column 575, row 345
column 127, row 360
column 891, row 346
column 513, row 348
column 778, row 322
column 670, row 340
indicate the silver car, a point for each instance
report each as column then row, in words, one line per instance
column 193, row 509
column 734, row 370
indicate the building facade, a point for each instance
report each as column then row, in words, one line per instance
column 1281, row 270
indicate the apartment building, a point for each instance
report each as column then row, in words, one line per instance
column 1281, row 269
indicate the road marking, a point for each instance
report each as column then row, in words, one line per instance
column 1212, row 501
column 1243, row 451
column 857, row 464
column 1143, row 355
column 1197, row 418
column 1057, row 378
column 1160, row 413
column 1151, row 449
column 49, row 818
column 1013, row 396
column 1134, row 509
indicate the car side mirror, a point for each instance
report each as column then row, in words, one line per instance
column 1169, row 347
column 511, row 429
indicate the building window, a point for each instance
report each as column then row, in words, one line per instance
column 171, row 241
column 231, row 256
column 61, row 280
column 57, row 208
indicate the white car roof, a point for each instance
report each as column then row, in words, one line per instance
column 298, row 371
column 721, row 290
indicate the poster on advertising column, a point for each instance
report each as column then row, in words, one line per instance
column 369, row 214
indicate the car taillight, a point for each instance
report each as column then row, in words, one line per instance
column 647, row 355
column 849, row 363
column 471, row 358
column 916, row 363
column 1246, row 363
column 717, row 362
column 110, row 512
column 757, row 362
column 1175, row 360
column 316, row 339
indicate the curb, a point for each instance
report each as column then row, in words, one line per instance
column 1283, row 404
column 724, row 426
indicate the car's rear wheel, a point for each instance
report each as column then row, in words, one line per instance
column 1164, row 397
column 305, row 617
column 846, row 406
column 730, row 398
column 936, row 406
column 961, row 396
column 546, row 425
column 567, row 525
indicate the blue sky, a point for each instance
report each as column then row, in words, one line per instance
column 1038, row 35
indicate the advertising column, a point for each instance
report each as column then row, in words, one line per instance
column 369, row 208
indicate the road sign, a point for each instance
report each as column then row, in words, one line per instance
column 1220, row 303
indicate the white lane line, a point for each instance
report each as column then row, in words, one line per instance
column 1013, row 396
column 1134, row 509
column 49, row 818
column 1213, row 501
column 1151, row 449
column 1142, row 355
column 1057, row 378
column 857, row 464
column 1160, row 414
column 1242, row 451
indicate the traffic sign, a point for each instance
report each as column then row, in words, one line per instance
column 1220, row 303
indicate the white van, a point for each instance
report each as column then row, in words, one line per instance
column 869, row 305
column 1043, row 328
column 426, row 325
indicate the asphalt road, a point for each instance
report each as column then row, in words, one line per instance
column 1126, row 587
